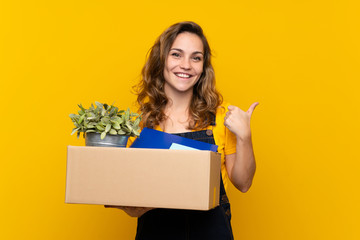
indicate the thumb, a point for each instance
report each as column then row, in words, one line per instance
column 252, row 107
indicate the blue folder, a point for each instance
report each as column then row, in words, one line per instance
column 150, row 138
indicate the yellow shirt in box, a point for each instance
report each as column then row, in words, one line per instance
column 224, row 139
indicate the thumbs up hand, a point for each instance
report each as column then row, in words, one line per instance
column 238, row 121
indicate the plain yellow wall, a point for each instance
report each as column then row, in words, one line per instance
column 299, row 59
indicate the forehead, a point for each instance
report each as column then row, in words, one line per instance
column 188, row 42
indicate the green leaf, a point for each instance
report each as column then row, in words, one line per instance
column 105, row 120
column 81, row 118
column 103, row 135
column 113, row 132
column 121, row 132
column 73, row 116
column 108, row 127
column 127, row 114
column 116, row 118
column 113, row 110
column 74, row 130
column 116, row 125
column 129, row 126
column 137, row 121
column 136, row 128
column 98, row 104
column 101, row 128
column 90, row 130
column 125, row 128
column 78, row 134
column 121, row 120
column 81, row 107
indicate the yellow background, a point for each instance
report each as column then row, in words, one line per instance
column 299, row 59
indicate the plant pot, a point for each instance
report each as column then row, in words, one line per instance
column 93, row 139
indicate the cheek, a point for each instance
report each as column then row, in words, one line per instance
column 199, row 69
column 167, row 70
column 200, row 72
column 169, row 64
column 166, row 74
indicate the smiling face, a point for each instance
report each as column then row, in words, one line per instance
column 184, row 64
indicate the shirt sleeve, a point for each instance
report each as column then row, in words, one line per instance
column 130, row 141
column 230, row 142
column 225, row 138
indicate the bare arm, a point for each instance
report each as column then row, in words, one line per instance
column 241, row 165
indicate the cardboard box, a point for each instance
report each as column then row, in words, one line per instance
column 160, row 178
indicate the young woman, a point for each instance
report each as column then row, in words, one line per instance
column 177, row 95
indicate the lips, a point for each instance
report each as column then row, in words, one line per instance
column 183, row 75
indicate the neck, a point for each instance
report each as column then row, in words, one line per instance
column 178, row 101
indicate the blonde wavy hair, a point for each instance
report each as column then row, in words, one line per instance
column 150, row 90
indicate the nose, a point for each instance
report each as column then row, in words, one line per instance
column 185, row 63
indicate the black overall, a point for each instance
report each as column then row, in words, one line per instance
column 176, row 224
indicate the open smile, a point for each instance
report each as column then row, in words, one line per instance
column 183, row 75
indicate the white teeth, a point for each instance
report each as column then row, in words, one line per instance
column 183, row 75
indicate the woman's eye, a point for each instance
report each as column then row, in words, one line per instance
column 175, row 54
column 197, row 58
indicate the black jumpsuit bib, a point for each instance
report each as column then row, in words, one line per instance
column 177, row 224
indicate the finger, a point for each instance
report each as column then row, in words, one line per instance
column 225, row 123
column 252, row 107
column 231, row 107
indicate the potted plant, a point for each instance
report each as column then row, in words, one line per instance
column 105, row 125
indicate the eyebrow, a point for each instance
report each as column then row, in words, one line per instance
column 180, row 50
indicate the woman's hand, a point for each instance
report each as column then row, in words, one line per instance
column 131, row 211
column 238, row 121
